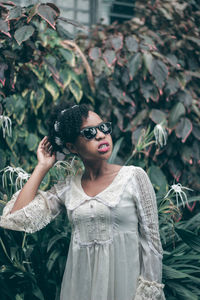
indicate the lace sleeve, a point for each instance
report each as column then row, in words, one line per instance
column 149, row 282
column 38, row 213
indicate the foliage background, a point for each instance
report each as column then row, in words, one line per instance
column 146, row 72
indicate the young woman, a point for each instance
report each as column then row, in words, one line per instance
column 115, row 251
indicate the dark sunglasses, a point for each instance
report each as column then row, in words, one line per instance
column 90, row 132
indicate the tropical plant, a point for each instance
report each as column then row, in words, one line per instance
column 145, row 79
column 147, row 73
column 36, row 72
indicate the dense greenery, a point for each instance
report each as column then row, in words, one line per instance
column 146, row 73
column 35, row 73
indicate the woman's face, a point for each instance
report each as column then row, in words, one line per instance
column 98, row 148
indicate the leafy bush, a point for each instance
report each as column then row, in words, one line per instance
column 36, row 72
column 147, row 73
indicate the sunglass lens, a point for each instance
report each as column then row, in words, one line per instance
column 90, row 133
column 106, row 128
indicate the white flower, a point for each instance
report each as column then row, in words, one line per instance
column 65, row 150
column 60, row 164
column 160, row 134
column 6, row 124
column 63, row 111
column 178, row 190
column 20, row 176
column 56, row 126
column 58, row 141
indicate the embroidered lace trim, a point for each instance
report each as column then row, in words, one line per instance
column 38, row 213
column 29, row 219
column 148, row 211
column 149, row 290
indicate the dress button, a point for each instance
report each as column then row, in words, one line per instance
column 91, row 205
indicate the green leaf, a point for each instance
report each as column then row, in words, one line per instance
column 178, row 110
column 185, row 97
column 52, row 259
column 95, row 53
column 48, row 14
column 182, row 292
column 183, row 129
column 68, row 55
column 22, row 132
column 2, row 159
column 190, row 238
column 32, row 12
column 76, row 90
column 157, row 116
column 11, row 141
column 131, row 44
column 196, row 131
column 15, row 13
column 158, row 179
column 41, row 128
column 23, row 33
column 9, row 105
column 109, row 57
column 117, row 42
column 38, row 293
column 149, row 91
column 32, row 141
column 186, row 153
column 37, row 98
column 135, row 64
column 37, row 71
column 148, row 59
column 19, row 109
column 5, row 27
column 116, row 148
column 55, row 239
column 45, row 182
column 65, row 78
column 52, row 88
column 172, row 86
column 160, row 72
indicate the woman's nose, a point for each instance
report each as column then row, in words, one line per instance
column 100, row 134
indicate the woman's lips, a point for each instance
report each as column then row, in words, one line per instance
column 104, row 147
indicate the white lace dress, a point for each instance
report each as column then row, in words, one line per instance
column 115, row 251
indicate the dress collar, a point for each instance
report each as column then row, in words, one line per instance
column 110, row 196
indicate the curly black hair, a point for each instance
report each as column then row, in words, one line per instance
column 64, row 124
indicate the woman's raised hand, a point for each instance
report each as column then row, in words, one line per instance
column 45, row 156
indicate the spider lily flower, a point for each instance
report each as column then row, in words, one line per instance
column 6, row 124
column 160, row 134
column 178, row 190
column 18, row 173
column 60, row 164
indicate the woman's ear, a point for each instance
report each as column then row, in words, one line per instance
column 71, row 147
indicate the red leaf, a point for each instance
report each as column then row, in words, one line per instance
column 95, row 53
column 109, row 57
column 48, row 14
column 191, row 208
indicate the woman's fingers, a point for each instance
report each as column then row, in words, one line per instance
column 45, row 145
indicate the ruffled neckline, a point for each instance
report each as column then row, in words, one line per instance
column 110, row 196
column 79, row 183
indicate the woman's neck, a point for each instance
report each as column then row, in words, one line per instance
column 94, row 170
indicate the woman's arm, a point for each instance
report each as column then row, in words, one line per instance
column 45, row 162
column 150, row 281
column 31, row 209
